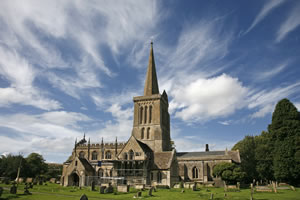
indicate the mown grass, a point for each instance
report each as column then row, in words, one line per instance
column 56, row 192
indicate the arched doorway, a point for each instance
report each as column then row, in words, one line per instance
column 75, row 179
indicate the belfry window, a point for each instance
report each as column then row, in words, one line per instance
column 94, row 155
column 143, row 133
column 81, row 154
column 159, row 177
column 195, row 172
column 148, row 133
column 145, row 118
column 108, row 155
column 150, row 114
column 141, row 115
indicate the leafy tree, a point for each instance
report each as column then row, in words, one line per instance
column 285, row 133
column 246, row 148
column 36, row 164
column 9, row 166
column 229, row 172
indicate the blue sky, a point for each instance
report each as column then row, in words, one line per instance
column 69, row 67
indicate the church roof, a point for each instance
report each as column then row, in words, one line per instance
column 86, row 164
column 163, row 160
column 151, row 84
column 209, row 155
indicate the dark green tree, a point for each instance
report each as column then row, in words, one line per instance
column 229, row 172
column 246, row 148
column 36, row 164
column 285, row 133
column 9, row 166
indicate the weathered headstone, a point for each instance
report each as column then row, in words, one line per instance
column 84, row 197
column 150, row 191
column 194, row 187
column 252, row 190
column 13, row 189
column 109, row 189
column 139, row 194
column 1, row 191
column 30, row 185
column 293, row 188
column 26, row 191
column 212, row 196
column 182, row 191
column 225, row 195
column 40, row 182
column 238, row 185
column 102, row 189
column 93, row 186
column 52, row 180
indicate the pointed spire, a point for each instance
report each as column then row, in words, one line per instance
column 83, row 135
column 151, row 85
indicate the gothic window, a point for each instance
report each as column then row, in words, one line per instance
column 159, row 177
column 125, row 156
column 150, row 114
column 100, row 172
column 141, row 115
column 148, row 133
column 131, row 155
column 94, row 155
column 142, row 133
column 195, row 172
column 145, row 118
column 81, row 154
column 108, row 155
column 76, row 163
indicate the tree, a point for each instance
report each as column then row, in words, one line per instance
column 9, row 166
column 285, row 134
column 36, row 165
column 246, row 148
column 229, row 172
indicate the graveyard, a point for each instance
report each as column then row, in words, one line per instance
column 51, row 191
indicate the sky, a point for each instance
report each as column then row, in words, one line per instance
column 73, row 67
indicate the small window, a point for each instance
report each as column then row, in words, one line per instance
column 76, row 163
column 141, row 115
column 143, row 133
column 131, row 155
column 148, row 133
column 81, row 154
column 94, row 155
column 150, row 114
column 159, row 177
column 195, row 172
column 145, row 118
column 125, row 156
column 107, row 155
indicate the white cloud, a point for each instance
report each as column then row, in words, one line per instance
column 225, row 123
column 206, row 99
column 269, row 73
column 290, row 24
column 297, row 105
column 267, row 8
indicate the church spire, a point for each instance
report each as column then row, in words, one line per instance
column 151, row 85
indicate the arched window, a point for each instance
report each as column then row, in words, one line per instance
column 150, row 114
column 195, row 172
column 94, row 155
column 158, row 177
column 131, row 155
column 148, row 133
column 145, row 118
column 125, row 156
column 143, row 133
column 100, row 172
column 81, row 154
column 107, row 155
column 141, row 115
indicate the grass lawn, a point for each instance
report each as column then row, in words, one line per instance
column 56, row 192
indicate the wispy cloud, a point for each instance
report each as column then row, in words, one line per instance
column 271, row 71
column 290, row 24
column 267, row 8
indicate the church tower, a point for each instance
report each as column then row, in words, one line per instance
column 151, row 123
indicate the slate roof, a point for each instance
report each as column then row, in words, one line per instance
column 209, row 155
column 163, row 160
column 86, row 164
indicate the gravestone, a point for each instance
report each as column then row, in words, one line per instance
column 102, row 189
column 30, row 185
column 13, row 189
column 211, row 196
column 182, row 191
column 84, row 197
column 93, row 186
column 139, row 194
column 194, row 187
column 225, row 195
column 150, row 191
column 26, row 191
column 40, row 182
column 1, row 191
column 109, row 189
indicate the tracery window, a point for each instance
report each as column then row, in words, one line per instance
column 94, row 155
column 195, row 172
column 108, row 155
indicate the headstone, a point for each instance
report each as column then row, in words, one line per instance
column 29, row 180
column 84, row 197
column 274, row 188
column 293, row 188
column 1, row 191
column 13, row 189
column 150, row 191
column 225, row 195
column 30, row 185
column 251, row 186
column 123, row 188
column 26, row 191
column 238, row 185
column 139, row 194
column 40, row 182
column 195, row 187
column 52, row 180
column 102, row 189
column 109, row 189
column 211, row 196
column 182, row 191
column 93, row 186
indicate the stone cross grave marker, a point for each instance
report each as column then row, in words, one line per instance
column 13, row 189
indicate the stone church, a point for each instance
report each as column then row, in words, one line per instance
column 148, row 157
